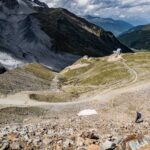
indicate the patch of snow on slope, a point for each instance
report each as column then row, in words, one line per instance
column 87, row 112
column 8, row 61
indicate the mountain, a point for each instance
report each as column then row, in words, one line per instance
column 32, row 32
column 137, row 37
column 115, row 26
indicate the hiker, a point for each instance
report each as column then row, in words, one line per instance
column 138, row 118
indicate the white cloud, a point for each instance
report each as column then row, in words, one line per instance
column 132, row 10
column 82, row 2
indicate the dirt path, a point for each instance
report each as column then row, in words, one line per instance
column 22, row 99
column 55, row 84
column 19, row 99
column 77, row 66
column 131, row 70
column 123, row 61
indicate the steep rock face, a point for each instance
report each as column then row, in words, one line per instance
column 137, row 37
column 22, row 37
column 10, row 4
column 32, row 32
column 14, row 4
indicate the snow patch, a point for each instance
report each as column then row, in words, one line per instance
column 87, row 112
column 8, row 61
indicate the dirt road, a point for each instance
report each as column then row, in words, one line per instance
column 22, row 99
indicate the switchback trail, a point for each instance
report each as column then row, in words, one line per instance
column 132, row 71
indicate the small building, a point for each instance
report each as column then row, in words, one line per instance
column 117, row 52
column 85, row 57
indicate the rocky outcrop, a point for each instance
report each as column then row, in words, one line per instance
column 2, row 69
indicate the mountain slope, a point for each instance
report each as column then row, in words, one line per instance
column 32, row 32
column 27, row 78
column 75, row 35
column 115, row 26
column 137, row 37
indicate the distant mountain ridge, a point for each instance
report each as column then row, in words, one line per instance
column 54, row 37
column 115, row 26
column 75, row 35
column 137, row 37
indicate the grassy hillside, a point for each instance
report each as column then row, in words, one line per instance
column 102, row 73
column 83, row 76
column 138, row 37
column 140, row 62
column 29, row 77
column 39, row 71
column 98, row 72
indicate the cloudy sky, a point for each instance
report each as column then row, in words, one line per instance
column 134, row 11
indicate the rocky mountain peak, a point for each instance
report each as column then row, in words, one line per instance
column 39, row 3
column 10, row 4
column 16, row 4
